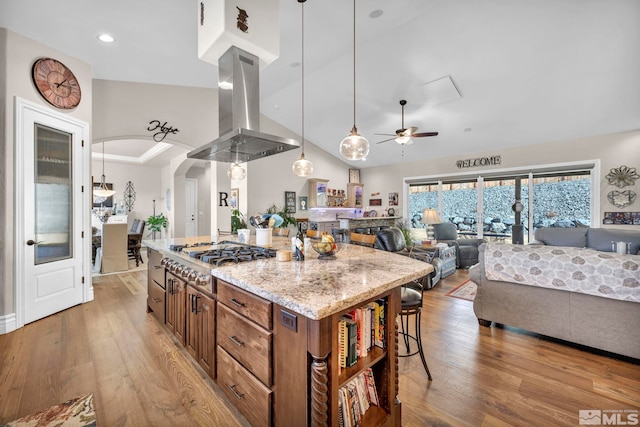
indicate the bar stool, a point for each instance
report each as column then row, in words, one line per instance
column 411, row 303
column 392, row 240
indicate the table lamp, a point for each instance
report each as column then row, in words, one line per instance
column 430, row 217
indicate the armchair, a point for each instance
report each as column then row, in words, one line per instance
column 393, row 240
column 466, row 249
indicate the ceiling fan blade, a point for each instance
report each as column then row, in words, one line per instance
column 385, row 134
column 385, row 140
column 421, row 134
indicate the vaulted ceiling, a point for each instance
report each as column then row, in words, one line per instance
column 484, row 74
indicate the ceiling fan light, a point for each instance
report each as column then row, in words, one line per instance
column 236, row 172
column 404, row 140
column 354, row 146
column 302, row 167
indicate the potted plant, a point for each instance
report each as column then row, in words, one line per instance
column 156, row 223
column 282, row 211
column 237, row 220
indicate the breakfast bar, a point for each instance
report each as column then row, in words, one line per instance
column 273, row 342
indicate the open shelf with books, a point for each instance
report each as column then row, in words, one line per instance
column 365, row 366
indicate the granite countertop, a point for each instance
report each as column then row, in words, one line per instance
column 313, row 288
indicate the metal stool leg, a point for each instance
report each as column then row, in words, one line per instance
column 419, row 340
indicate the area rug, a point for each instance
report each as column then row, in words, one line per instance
column 78, row 412
column 466, row 291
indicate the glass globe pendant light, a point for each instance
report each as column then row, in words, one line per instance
column 302, row 167
column 354, row 146
column 102, row 190
column 236, row 172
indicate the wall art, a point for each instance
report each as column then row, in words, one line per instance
column 621, row 218
column 621, row 199
column 622, row 176
column 290, row 201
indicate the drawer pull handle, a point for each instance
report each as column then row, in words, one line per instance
column 157, row 300
column 157, row 266
column 235, row 392
column 236, row 341
column 236, row 302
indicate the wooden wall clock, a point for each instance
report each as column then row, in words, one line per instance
column 56, row 83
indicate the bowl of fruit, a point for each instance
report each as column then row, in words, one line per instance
column 327, row 247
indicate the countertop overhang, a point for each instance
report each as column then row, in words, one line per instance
column 313, row 288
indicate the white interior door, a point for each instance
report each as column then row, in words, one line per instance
column 49, row 207
column 191, row 211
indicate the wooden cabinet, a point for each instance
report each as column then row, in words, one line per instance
column 245, row 351
column 355, row 195
column 200, row 337
column 176, row 306
column 318, row 197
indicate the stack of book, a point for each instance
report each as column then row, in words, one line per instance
column 355, row 398
column 359, row 331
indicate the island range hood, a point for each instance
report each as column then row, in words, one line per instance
column 239, row 114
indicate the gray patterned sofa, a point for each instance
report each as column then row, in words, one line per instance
column 573, row 292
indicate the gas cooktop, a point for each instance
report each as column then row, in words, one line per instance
column 225, row 252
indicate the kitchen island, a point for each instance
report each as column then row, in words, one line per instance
column 281, row 365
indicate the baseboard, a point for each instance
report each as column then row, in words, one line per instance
column 7, row 323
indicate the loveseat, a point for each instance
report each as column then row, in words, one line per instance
column 564, row 287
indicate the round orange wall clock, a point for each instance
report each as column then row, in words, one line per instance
column 56, row 83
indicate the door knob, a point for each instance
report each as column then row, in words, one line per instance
column 32, row 242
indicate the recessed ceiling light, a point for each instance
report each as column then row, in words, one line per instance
column 376, row 14
column 106, row 38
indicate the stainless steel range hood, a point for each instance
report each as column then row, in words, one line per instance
column 239, row 114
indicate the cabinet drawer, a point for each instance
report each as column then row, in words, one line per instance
column 156, row 271
column 248, row 394
column 255, row 308
column 155, row 301
column 247, row 342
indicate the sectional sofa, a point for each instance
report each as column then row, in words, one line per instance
column 569, row 285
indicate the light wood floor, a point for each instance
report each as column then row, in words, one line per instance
column 140, row 376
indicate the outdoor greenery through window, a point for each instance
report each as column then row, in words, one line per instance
column 486, row 207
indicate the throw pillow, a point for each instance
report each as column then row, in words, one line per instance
column 556, row 236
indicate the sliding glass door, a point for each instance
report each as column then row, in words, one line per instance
column 507, row 207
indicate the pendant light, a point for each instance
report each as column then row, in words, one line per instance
column 354, row 146
column 302, row 167
column 236, row 172
column 102, row 190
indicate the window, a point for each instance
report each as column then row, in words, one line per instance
column 486, row 205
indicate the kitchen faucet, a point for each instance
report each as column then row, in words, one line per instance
column 338, row 214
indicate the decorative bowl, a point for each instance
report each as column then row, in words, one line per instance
column 326, row 250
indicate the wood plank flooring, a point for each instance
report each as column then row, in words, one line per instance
column 140, row 376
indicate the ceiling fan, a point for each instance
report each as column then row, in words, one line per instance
column 403, row 136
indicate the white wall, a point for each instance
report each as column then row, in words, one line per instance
column 613, row 151
column 146, row 183
column 17, row 55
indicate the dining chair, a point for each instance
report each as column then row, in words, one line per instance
column 279, row 231
column 362, row 239
column 392, row 240
column 114, row 248
column 135, row 241
column 314, row 234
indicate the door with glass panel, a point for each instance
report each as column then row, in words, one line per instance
column 51, row 277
